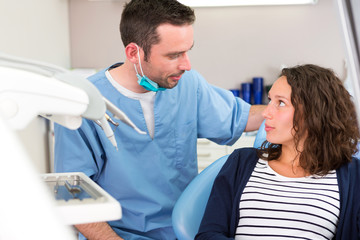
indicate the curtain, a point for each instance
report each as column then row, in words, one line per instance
column 349, row 13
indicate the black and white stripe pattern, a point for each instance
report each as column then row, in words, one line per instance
column 277, row 207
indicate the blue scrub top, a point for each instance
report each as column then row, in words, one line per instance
column 148, row 175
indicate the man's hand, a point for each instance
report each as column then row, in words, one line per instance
column 255, row 118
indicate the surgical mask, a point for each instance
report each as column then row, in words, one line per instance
column 144, row 81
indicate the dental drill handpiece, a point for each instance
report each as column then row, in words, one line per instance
column 121, row 115
column 103, row 123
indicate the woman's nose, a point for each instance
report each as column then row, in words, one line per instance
column 267, row 112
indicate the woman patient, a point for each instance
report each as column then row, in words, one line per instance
column 303, row 183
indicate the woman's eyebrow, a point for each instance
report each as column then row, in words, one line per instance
column 277, row 96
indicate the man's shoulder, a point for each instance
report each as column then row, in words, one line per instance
column 192, row 81
column 192, row 76
column 99, row 76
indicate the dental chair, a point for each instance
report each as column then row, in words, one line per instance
column 190, row 207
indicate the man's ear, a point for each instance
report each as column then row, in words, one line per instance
column 131, row 51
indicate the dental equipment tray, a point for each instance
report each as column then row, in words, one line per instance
column 80, row 200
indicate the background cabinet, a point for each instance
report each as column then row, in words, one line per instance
column 208, row 152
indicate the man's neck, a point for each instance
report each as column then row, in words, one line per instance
column 125, row 75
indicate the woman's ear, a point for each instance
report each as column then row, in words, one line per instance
column 131, row 52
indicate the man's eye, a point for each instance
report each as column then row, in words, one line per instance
column 174, row 56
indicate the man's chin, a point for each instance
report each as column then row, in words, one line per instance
column 173, row 84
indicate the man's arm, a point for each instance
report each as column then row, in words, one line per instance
column 255, row 118
column 98, row 231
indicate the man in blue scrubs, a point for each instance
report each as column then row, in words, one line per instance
column 157, row 89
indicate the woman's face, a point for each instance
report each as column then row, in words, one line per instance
column 279, row 114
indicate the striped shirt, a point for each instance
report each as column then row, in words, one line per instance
column 277, row 207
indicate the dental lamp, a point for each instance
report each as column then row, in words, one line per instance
column 28, row 209
column 30, row 88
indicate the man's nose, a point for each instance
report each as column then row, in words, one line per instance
column 185, row 63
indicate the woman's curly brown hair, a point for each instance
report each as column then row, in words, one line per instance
column 325, row 114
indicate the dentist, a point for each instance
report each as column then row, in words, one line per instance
column 163, row 96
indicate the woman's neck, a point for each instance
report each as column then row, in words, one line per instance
column 288, row 163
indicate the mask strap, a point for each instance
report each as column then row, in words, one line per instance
column 138, row 52
column 136, row 69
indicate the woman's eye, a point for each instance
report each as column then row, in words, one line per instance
column 281, row 104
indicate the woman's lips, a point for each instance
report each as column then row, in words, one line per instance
column 268, row 128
